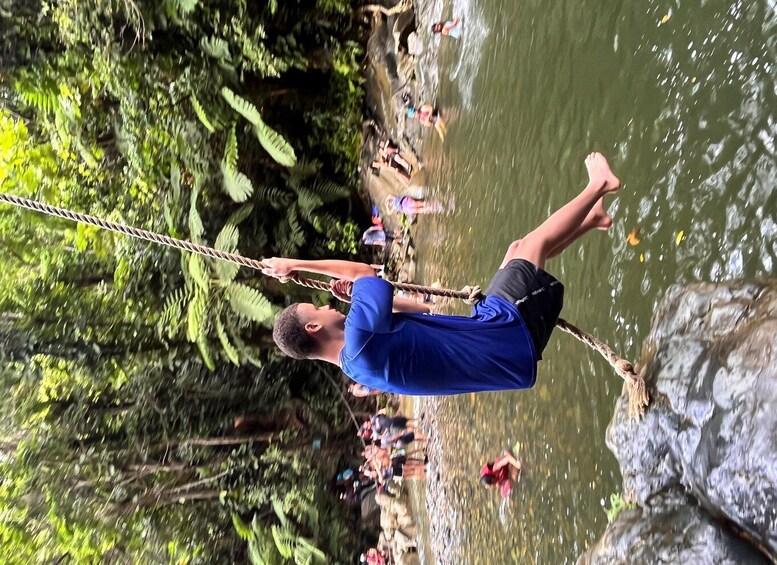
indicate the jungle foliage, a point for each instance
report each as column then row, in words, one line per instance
column 146, row 417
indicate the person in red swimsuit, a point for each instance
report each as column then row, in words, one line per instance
column 501, row 473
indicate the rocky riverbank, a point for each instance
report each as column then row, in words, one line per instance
column 701, row 466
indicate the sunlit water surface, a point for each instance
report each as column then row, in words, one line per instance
column 680, row 95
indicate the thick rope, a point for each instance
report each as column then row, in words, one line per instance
column 635, row 384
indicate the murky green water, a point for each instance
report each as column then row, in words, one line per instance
column 685, row 110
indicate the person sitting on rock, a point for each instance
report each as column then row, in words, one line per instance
column 451, row 28
column 410, row 206
column 394, row 345
column 501, row 473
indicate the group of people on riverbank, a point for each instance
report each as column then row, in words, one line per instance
column 388, row 458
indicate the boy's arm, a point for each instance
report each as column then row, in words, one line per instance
column 407, row 305
column 346, row 270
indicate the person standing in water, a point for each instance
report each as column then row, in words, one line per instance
column 394, row 345
column 451, row 28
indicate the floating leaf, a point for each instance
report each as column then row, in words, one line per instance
column 641, row 258
column 632, row 237
column 679, row 237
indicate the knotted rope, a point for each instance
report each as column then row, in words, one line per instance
column 635, row 384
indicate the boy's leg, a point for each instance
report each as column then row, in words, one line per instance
column 597, row 219
column 567, row 224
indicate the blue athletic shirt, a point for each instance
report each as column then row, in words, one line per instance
column 425, row 354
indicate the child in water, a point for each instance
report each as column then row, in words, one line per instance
column 429, row 116
column 501, row 472
column 451, row 28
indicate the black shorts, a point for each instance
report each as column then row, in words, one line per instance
column 538, row 296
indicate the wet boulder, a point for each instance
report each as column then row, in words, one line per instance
column 673, row 529
column 711, row 430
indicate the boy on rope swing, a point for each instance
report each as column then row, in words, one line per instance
column 396, row 346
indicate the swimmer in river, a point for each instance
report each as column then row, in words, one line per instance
column 451, row 28
column 501, row 473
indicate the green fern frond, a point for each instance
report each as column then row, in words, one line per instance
column 249, row 303
column 199, row 271
column 274, row 196
column 196, row 228
column 275, row 144
column 202, row 345
column 196, row 316
column 230, row 150
column 246, row 352
column 227, row 240
column 241, row 106
column 229, row 350
column 236, row 184
column 216, row 47
column 308, row 201
column 284, row 540
column 201, row 114
column 240, row 215
column 242, row 529
column 295, row 230
column 172, row 312
column 329, row 191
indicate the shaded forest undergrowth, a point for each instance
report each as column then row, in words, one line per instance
column 147, row 416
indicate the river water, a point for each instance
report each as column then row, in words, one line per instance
column 681, row 97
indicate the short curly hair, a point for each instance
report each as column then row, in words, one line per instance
column 290, row 334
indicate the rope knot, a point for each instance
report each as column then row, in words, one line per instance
column 474, row 294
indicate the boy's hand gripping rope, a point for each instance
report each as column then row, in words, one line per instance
column 635, row 384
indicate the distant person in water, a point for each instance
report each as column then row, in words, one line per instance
column 411, row 206
column 394, row 345
column 429, row 116
column 501, row 473
column 451, row 28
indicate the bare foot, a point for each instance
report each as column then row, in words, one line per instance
column 600, row 174
column 597, row 218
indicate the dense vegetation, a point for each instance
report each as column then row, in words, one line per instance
column 146, row 416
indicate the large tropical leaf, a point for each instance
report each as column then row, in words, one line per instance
column 249, row 303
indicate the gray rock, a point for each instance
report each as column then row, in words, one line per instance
column 674, row 529
column 712, row 427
